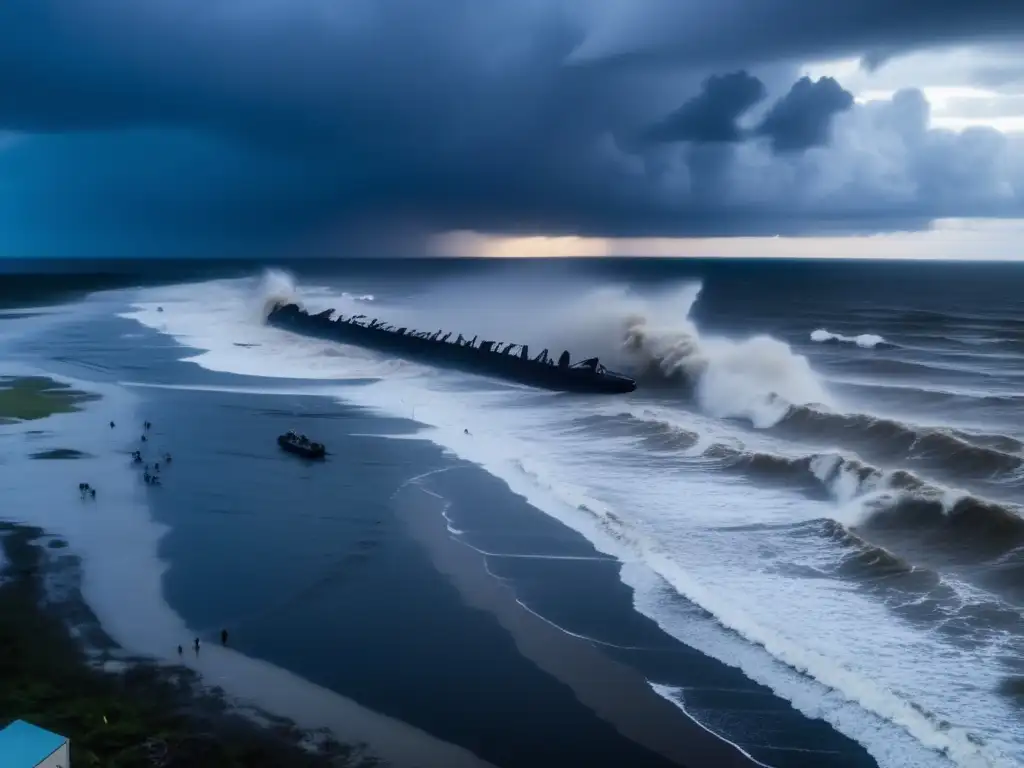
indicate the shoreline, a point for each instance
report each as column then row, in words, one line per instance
column 116, row 541
column 611, row 691
column 615, row 692
column 63, row 672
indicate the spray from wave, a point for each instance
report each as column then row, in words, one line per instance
column 651, row 336
column 758, row 378
column 275, row 287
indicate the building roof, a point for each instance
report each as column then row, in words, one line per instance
column 23, row 745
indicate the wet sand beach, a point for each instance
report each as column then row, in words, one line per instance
column 61, row 671
column 613, row 691
column 117, row 544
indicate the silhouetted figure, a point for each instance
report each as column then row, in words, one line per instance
column 92, row 492
column 111, row 425
column 147, row 425
column 223, row 637
column 146, row 477
column 465, row 431
column 83, row 488
column 156, row 467
column 195, row 644
column 143, row 438
column 180, row 650
column 167, row 459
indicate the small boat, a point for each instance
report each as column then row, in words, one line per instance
column 301, row 445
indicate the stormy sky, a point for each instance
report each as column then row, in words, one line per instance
column 223, row 127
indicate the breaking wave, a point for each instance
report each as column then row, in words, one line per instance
column 276, row 287
column 279, row 287
column 901, row 509
column 959, row 453
column 757, row 378
column 893, row 504
column 864, row 340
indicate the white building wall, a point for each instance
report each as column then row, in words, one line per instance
column 59, row 759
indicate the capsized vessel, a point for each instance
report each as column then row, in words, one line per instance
column 490, row 358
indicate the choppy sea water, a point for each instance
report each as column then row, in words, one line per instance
column 818, row 480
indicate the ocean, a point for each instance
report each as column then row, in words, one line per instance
column 803, row 530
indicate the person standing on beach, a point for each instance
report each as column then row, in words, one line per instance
column 224, row 637
column 196, row 644
column 180, row 650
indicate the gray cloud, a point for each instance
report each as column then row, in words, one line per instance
column 798, row 121
column 803, row 117
column 713, row 114
column 202, row 127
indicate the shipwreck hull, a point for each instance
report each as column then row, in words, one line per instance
column 484, row 359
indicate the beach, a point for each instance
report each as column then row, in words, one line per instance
column 362, row 569
column 61, row 671
column 122, row 579
column 254, row 593
column 350, row 560
column 358, row 574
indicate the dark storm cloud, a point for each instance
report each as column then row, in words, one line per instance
column 196, row 126
column 798, row 121
column 712, row 115
column 803, row 117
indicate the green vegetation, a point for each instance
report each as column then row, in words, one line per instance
column 147, row 714
column 60, row 453
column 35, row 397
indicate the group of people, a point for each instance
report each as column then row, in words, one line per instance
column 152, row 478
column 149, row 477
column 195, row 643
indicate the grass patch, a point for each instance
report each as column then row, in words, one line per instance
column 60, row 453
column 144, row 715
column 24, row 398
